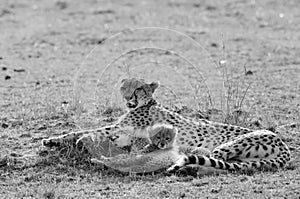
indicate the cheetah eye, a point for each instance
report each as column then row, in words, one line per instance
column 167, row 138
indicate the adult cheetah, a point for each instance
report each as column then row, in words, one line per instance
column 225, row 142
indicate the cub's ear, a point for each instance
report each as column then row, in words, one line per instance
column 154, row 86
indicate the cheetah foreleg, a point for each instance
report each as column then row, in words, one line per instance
column 73, row 138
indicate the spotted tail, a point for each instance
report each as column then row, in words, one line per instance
column 277, row 162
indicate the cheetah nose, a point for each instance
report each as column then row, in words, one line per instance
column 162, row 146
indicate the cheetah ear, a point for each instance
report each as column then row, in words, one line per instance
column 154, row 86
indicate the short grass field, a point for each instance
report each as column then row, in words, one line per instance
column 61, row 62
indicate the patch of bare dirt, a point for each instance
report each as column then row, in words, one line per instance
column 43, row 43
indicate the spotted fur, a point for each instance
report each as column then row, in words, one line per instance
column 258, row 149
column 223, row 141
column 160, row 153
column 160, row 136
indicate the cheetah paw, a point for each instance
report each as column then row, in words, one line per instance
column 101, row 160
column 51, row 142
column 173, row 169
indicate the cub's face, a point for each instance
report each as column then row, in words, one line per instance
column 163, row 137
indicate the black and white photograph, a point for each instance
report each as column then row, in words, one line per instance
column 149, row 99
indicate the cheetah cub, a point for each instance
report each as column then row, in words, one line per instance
column 161, row 136
column 160, row 153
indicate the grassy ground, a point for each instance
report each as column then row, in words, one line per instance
column 44, row 46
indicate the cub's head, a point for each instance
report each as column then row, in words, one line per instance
column 137, row 92
column 162, row 135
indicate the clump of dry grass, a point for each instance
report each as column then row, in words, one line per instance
column 70, row 156
column 232, row 96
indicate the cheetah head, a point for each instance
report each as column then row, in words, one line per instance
column 162, row 135
column 137, row 92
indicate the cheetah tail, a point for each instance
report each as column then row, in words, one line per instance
column 275, row 163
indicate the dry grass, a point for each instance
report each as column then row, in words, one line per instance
column 73, row 175
column 42, row 101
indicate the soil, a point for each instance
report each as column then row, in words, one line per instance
column 60, row 67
